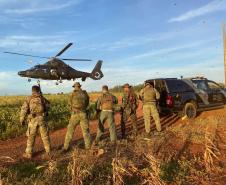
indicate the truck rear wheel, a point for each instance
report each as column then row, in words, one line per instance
column 190, row 110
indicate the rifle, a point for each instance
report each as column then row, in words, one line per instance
column 43, row 103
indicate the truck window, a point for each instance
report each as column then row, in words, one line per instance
column 178, row 86
column 213, row 85
column 200, row 84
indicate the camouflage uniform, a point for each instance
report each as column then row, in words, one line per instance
column 129, row 106
column 35, row 108
column 149, row 96
column 105, row 104
column 78, row 102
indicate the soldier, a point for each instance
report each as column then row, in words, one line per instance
column 78, row 102
column 149, row 96
column 35, row 108
column 105, row 104
column 129, row 106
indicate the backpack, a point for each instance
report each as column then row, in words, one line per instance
column 36, row 104
column 107, row 102
column 79, row 100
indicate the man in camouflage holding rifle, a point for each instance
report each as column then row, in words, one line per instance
column 129, row 107
column 78, row 102
column 35, row 109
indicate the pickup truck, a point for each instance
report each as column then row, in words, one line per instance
column 188, row 96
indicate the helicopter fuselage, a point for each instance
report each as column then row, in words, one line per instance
column 56, row 69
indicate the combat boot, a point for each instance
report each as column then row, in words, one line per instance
column 27, row 156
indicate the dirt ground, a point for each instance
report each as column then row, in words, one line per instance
column 14, row 148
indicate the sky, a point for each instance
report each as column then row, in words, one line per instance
column 136, row 39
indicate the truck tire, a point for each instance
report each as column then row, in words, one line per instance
column 190, row 110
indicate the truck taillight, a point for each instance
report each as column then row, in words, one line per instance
column 169, row 101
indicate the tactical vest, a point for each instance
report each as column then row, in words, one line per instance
column 149, row 95
column 36, row 104
column 79, row 100
column 107, row 102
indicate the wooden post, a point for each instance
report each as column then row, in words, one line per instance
column 224, row 40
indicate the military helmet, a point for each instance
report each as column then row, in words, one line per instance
column 76, row 84
column 126, row 85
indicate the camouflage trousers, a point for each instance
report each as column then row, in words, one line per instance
column 75, row 120
column 149, row 110
column 124, row 118
column 109, row 117
column 35, row 124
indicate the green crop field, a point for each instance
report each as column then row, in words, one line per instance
column 10, row 112
column 58, row 115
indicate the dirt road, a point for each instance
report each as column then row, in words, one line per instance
column 14, row 148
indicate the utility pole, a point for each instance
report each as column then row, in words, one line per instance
column 224, row 40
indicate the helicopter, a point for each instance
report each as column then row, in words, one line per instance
column 56, row 69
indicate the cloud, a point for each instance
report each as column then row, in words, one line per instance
column 213, row 6
column 165, row 51
column 134, row 41
column 31, row 7
column 34, row 43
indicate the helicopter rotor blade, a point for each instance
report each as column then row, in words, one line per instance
column 64, row 49
column 75, row 59
column 13, row 53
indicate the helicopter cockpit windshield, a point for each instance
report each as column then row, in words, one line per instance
column 35, row 67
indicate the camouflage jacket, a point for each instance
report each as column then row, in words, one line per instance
column 26, row 108
column 130, row 102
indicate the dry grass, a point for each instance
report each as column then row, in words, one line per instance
column 124, row 168
column 152, row 175
column 211, row 153
column 185, row 154
column 80, row 167
column 119, row 170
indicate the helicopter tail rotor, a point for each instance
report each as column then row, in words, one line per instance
column 97, row 74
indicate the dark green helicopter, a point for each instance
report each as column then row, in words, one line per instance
column 56, row 69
